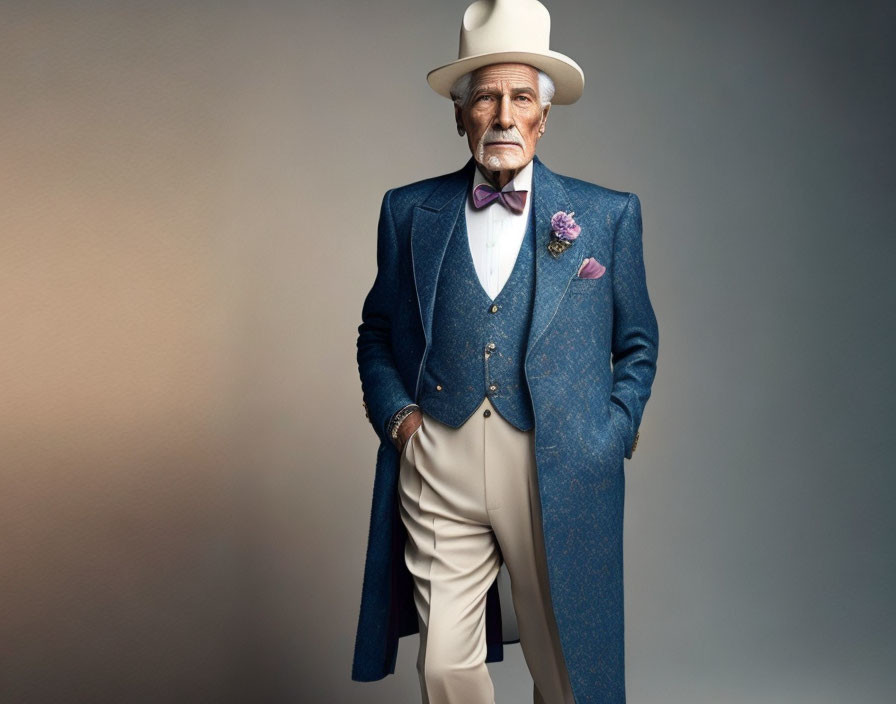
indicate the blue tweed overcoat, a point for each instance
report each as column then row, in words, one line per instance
column 590, row 362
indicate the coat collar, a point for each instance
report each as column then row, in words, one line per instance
column 436, row 217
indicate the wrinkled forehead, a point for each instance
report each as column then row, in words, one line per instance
column 506, row 74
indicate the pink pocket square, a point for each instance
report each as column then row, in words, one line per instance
column 591, row 269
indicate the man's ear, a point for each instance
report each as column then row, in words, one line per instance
column 459, row 119
column 544, row 119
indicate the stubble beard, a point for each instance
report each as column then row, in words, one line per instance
column 493, row 162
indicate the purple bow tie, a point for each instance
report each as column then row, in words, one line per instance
column 484, row 194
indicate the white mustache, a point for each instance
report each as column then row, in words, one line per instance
column 510, row 135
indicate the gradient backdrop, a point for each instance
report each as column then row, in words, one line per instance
column 190, row 194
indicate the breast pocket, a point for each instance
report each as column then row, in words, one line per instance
column 584, row 287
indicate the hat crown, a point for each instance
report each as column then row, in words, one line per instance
column 504, row 25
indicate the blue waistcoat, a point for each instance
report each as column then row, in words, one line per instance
column 478, row 344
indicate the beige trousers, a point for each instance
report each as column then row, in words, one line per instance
column 469, row 498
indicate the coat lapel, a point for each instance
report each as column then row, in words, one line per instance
column 435, row 219
column 431, row 227
column 552, row 274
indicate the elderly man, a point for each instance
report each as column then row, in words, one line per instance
column 507, row 351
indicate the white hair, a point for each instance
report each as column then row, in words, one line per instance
column 460, row 90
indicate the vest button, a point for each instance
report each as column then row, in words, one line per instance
column 493, row 387
column 438, row 387
column 493, row 309
column 486, row 413
column 491, row 345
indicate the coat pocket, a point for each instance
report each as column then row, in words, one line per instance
column 580, row 287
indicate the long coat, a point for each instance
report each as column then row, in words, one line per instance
column 590, row 362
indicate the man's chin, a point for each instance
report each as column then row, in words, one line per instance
column 495, row 162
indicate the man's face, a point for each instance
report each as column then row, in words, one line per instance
column 502, row 117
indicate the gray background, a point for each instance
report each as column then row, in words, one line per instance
column 190, row 195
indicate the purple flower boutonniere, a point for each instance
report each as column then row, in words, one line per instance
column 564, row 231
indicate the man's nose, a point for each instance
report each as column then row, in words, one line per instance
column 504, row 118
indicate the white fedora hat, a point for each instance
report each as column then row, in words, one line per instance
column 517, row 31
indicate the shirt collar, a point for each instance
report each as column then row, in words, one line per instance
column 521, row 182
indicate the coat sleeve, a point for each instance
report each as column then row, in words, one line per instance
column 381, row 384
column 635, row 331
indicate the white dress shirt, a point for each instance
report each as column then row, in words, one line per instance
column 495, row 233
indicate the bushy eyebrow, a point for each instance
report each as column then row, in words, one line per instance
column 515, row 90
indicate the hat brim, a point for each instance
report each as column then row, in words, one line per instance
column 568, row 77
